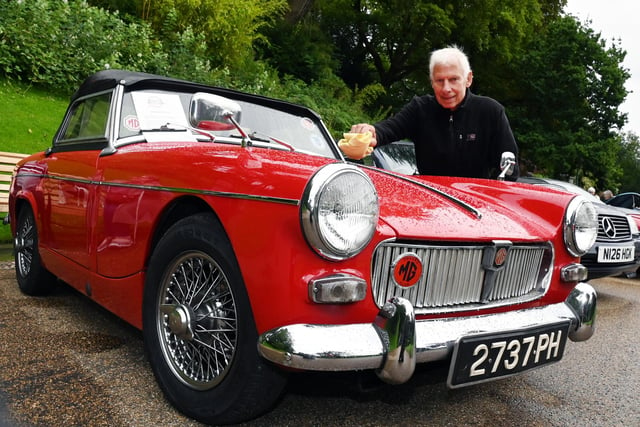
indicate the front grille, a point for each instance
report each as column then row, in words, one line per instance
column 454, row 278
column 612, row 228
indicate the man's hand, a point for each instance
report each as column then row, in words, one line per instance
column 365, row 127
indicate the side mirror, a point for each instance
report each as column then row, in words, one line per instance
column 507, row 165
column 212, row 112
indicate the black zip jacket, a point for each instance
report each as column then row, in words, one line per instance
column 466, row 142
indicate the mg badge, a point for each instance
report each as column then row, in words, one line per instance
column 500, row 258
column 407, row 270
column 494, row 259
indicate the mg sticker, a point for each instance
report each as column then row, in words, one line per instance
column 132, row 123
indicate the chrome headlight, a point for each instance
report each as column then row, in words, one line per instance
column 580, row 226
column 339, row 211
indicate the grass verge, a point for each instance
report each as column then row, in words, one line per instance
column 5, row 231
column 29, row 117
column 6, row 252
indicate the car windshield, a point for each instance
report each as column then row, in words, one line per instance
column 625, row 200
column 398, row 157
column 149, row 111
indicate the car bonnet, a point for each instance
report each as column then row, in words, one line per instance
column 447, row 208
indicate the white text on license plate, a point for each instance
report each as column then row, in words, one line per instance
column 612, row 254
column 483, row 357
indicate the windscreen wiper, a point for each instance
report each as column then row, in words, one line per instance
column 174, row 127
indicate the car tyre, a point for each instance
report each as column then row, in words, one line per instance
column 32, row 277
column 199, row 332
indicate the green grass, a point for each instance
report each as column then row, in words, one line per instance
column 29, row 118
column 5, row 231
column 6, row 253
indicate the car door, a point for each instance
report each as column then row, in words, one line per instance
column 71, row 181
column 67, row 213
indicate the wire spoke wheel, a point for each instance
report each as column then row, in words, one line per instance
column 199, row 331
column 24, row 245
column 197, row 320
column 32, row 276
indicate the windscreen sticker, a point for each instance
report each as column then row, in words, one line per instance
column 307, row 123
column 317, row 141
column 132, row 123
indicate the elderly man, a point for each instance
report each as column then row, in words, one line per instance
column 455, row 132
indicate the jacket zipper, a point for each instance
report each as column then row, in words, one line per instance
column 452, row 135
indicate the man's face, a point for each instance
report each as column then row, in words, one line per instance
column 450, row 85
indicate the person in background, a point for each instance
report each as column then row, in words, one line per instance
column 592, row 191
column 606, row 195
column 455, row 132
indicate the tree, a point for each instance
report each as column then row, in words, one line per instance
column 388, row 42
column 629, row 161
column 565, row 115
column 298, row 9
column 231, row 28
column 299, row 48
column 70, row 41
column 124, row 7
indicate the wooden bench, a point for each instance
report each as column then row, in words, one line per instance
column 7, row 163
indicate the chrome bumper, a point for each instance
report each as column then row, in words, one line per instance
column 395, row 341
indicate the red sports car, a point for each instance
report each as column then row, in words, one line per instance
column 231, row 230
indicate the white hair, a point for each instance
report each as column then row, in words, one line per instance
column 450, row 55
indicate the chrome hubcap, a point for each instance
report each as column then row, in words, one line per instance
column 179, row 321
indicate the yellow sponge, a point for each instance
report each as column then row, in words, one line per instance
column 356, row 145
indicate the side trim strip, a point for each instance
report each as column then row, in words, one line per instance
column 285, row 201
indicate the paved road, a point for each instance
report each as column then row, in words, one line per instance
column 65, row 361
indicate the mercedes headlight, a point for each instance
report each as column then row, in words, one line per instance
column 580, row 226
column 339, row 211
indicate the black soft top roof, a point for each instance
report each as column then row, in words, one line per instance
column 108, row 79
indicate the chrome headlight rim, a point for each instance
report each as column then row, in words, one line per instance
column 580, row 226
column 314, row 222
